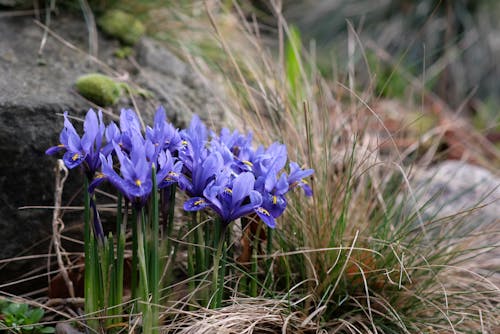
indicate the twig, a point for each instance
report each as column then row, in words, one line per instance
column 64, row 301
column 58, row 224
column 91, row 27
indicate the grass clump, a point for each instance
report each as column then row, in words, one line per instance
column 359, row 257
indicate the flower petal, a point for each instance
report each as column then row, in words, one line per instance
column 73, row 159
column 195, row 204
column 265, row 216
column 54, row 149
column 242, row 185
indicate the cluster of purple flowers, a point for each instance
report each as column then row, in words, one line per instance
column 222, row 172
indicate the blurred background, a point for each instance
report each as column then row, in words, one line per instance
column 403, row 49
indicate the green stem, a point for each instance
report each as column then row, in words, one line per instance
column 171, row 209
column 145, row 306
column 120, row 254
column 198, row 239
column 109, row 280
column 191, row 261
column 255, row 266
column 218, row 282
column 170, row 249
column 269, row 250
column 135, row 242
column 155, row 260
column 89, row 283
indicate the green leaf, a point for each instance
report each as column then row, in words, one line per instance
column 47, row 330
column 15, row 309
column 35, row 315
column 293, row 49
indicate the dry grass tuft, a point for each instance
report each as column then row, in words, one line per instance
column 243, row 315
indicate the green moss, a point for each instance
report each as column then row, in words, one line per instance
column 99, row 89
column 122, row 26
column 123, row 52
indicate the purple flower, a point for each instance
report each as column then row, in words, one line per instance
column 273, row 193
column 84, row 150
column 135, row 181
column 169, row 171
column 194, row 141
column 273, row 158
column 112, row 134
column 129, row 126
column 296, row 178
column 203, row 172
column 230, row 197
column 163, row 135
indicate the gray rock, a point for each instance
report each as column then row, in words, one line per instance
column 34, row 92
column 184, row 90
column 454, row 186
column 464, row 201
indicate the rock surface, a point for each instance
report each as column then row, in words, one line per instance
column 36, row 89
column 466, row 200
column 456, row 186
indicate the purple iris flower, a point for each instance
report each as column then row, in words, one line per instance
column 169, row 171
column 203, row 172
column 235, row 141
column 163, row 135
column 273, row 193
column 273, row 158
column 130, row 127
column 84, row 150
column 112, row 134
column 194, row 140
column 135, row 181
column 230, row 197
column 296, row 178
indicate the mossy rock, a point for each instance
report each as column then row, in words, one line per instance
column 122, row 26
column 99, row 88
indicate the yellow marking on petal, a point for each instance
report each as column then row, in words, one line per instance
column 248, row 163
column 170, row 175
column 263, row 211
column 228, row 190
column 60, row 145
column 275, row 199
column 75, row 156
column 99, row 175
column 184, row 142
column 199, row 202
column 138, row 182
